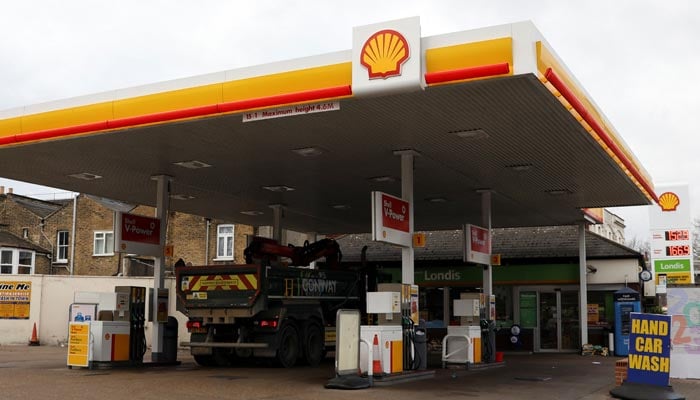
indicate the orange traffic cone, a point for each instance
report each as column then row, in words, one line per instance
column 34, row 341
column 376, row 358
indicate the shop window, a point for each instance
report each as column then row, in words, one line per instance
column 504, row 306
column 528, row 309
column 431, row 307
column 600, row 309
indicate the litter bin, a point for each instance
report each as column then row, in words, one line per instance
column 420, row 341
column 170, row 340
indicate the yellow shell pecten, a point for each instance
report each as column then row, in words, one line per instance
column 669, row 201
column 384, row 53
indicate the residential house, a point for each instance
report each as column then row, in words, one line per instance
column 45, row 229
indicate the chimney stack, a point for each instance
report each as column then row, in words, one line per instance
column 9, row 190
column 2, row 189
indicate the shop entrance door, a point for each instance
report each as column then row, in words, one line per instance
column 558, row 322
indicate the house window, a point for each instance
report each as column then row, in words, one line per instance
column 224, row 242
column 26, row 262
column 103, row 243
column 6, row 261
column 62, row 247
column 16, row 261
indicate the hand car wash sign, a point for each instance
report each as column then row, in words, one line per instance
column 649, row 359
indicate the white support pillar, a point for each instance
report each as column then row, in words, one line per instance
column 277, row 210
column 312, row 237
column 487, row 286
column 407, row 260
column 162, row 207
column 583, row 284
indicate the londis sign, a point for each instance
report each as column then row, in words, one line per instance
column 649, row 359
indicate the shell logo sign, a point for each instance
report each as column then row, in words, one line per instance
column 384, row 53
column 387, row 58
column 669, row 201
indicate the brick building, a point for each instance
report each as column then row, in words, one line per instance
column 45, row 229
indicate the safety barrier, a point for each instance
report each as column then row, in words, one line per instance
column 451, row 357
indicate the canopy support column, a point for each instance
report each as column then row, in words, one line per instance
column 162, row 206
column 277, row 210
column 487, row 286
column 407, row 259
column 583, row 285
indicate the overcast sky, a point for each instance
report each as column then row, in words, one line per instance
column 638, row 60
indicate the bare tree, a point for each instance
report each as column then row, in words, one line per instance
column 640, row 245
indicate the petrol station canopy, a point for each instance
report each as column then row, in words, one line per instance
column 489, row 109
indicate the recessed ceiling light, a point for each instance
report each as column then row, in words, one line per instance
column 559, row 192
column 279, row 188
column 471, row 133
column 252, row 213
column 341, row 206
column 520, row 167
column 436, row 200
column 181, row 197
column 192, row 164
column 309, row 151
column 86, row 176
column 382, row 179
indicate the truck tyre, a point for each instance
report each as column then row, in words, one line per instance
column 313, row 343
column 204, row 361
column 221, row 357
column 288, row 350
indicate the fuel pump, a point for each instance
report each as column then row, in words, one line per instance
column 135, row 298
column 408, row 318
column 488, row 327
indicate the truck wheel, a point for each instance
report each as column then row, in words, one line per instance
column 221, row 358
column 288, row 350
column 313, row 344
column 204, row 361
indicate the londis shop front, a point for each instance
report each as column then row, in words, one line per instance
column 536, row 305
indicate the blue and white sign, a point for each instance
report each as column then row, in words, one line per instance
column 649, row 359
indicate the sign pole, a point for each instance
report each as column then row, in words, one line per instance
column 407, row 258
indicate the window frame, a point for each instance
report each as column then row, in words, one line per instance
column 104, row 235
column 221, row 252
column 14, row 262
column 59, row 246
column 5, row 265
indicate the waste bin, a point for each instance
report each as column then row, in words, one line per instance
column 170, row 340
column 420, row 340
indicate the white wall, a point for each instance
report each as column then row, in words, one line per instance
column 613, row 271
column 52, row 296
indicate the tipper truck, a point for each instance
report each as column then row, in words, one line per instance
column 268, row 307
